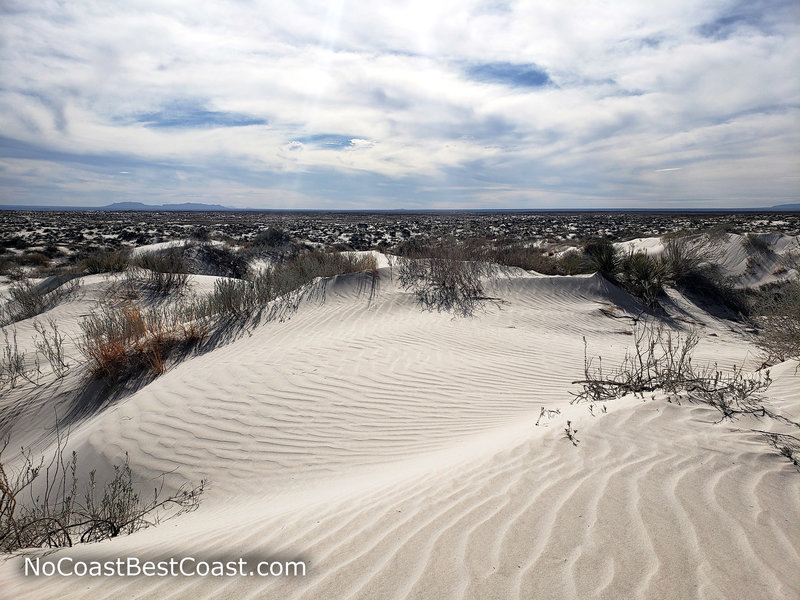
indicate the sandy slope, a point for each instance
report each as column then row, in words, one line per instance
column 397, row 451
column 749, row 266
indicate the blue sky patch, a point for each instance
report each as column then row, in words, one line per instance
column 194, row 116
column 510, row 74
column 328, row 140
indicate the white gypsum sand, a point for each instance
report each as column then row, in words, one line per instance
column 397, row 451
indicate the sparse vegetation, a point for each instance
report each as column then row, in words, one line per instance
column 661, row 360
column 570, row 433
column 51, row 346
column 122, row 339
column 445, row 279
column 106, row 261
column 777, row 312
column 41, row 504
column 164, row 272
column 27, row 299
column 756, row 243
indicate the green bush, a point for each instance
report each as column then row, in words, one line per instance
column 643, row 276
column 603, row 258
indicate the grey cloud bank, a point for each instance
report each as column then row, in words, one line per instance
column 400, row 105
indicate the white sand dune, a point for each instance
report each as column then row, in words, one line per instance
column 397, row 452
column 749, row 266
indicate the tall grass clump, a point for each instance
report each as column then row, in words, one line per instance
column 643, row 276
column 603, row 257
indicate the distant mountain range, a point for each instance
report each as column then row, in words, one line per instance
column 170, row 207
column 198, row 206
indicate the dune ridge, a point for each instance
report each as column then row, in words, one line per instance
column 397, row 451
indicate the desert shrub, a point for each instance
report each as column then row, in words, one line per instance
column 106, row 261
column 643, row 276
column 231, row 298
column 719, row 232
column 51, row 346
column 518, row 255
column 13, row 363
column 777, row 311
column 11, row 268
column 200, row 233
column 122, row 339
column 41, row 504
column 662, row 360
column 164, row 272
column 241, row 298
column 271, row 238
column 691, row 267
column 756, row 243
column 221, row 260
column 571, row 262
column 306, row 267
column 16, row 365
column 26, row 300
column 445, row 279
column 603, row 258
column 35, row 259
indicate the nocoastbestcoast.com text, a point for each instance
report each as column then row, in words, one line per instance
column 187, row 566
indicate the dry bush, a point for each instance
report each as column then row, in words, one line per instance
column 41, row 505
column 661, row 360
column 777, row 312
column 123, row 339
column 27, row 299
column 106, row 261
column 164, row 272
column 446, row 279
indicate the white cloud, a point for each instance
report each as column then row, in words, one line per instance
column 634, row 87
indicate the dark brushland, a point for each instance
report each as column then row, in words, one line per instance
column 200, row 207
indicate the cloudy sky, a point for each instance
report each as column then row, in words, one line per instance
column 400, row 104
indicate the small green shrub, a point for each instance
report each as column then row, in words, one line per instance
column 643, row 276
column 603, row 258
